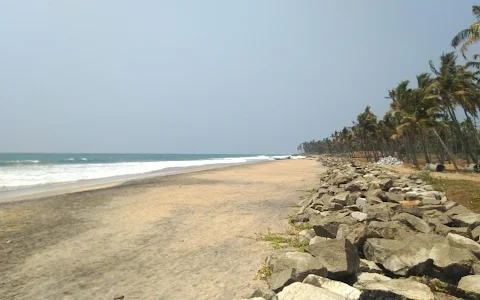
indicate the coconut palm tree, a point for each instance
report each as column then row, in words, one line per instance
column 451, row 86
column 470, row 35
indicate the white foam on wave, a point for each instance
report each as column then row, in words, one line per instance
column 22, row 176
column 26, row 161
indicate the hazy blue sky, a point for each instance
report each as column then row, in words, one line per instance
column 206, row 76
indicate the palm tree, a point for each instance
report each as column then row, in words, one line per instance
column 451, row 86
column 469, row 35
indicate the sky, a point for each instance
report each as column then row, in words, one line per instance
column 206, row 76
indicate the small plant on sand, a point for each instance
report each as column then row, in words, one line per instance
column 279, row 240
column 307, row 193
column 299, row 227
column 265, row 272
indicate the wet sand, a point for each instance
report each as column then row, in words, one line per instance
column 182, row 236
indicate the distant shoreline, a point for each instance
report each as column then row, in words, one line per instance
column 55, row 189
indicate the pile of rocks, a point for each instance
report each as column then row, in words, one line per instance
column 377, row 234
column 389, row 160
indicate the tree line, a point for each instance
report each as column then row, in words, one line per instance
column 436, row 119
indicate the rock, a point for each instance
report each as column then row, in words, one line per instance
column 388, row 230
column 457, row 210
column 395, row 289
column 476, row 268
column 363, row 277
column 328, row 230
column 357, row 185
column 264, row 294
column 359, row 216
column 337, row 287
column 475, row 233
column 341, row 180
column 431, row 201
column 368, row 266
column 459, row 241
column 305, row 236
column 299, row 219
column 379, row 212
column 339, row 256
column 317, row 239
column 455, row 262
column 410, row 256
column 412, row 196
column 384, row 183
column 304, row 291
column 470, row 285
column 444, row 230
column 466, row 219
column 428, row 187
column 368, row 177
column 393, row 197
column 294, row 266
column 356, row 234
column 118, row 297
column 435, row 216
column 361, row 202
column 412, row 221
column 449, row 204
column 341, row 198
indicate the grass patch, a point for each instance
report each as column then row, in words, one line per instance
column 298, row 226
column 279, row 240
column 265, row 272
column 464, row 192
column 307, row 193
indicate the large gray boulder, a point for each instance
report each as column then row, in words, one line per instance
column 412, row 221
column 394, row 197
column 475, row 233
column 264, row 294
column 339, row 256
column 379, row 212
column 466, row 219
column 357, row 234
column 388, row 230
column 409, row 256
column 367, row 266
column 459, row 241
column 470, row 285
column 304, row 291
column 435, row 217
column 364, row 277
column 337, row 287
column 305, row 236
column 453, row 261
column 395, row 289
column 457, row 210
column 294, row 266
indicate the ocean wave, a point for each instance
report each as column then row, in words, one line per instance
column 83, row 158
column 12, row 177
column 19, row 162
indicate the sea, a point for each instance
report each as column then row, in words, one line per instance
column 23, row 171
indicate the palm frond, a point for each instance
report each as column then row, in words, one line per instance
column 460, row 37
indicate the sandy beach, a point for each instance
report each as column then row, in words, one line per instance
column 186, row 236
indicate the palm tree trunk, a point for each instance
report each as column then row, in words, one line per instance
column 460, row 134
column 452, row 157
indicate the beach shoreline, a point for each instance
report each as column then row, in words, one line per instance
column 54, row 189
column 181, row 236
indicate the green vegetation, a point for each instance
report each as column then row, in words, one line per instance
column 286, row 240
column 307, row 193
column 464, row 192
column 437, row 118
column 265, row 272
column 298, row 226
